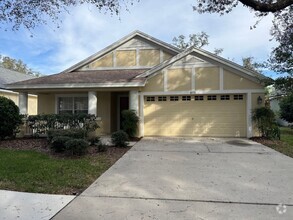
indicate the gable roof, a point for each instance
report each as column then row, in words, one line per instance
column 10, row 76
column 118, row 43
column 209, row 57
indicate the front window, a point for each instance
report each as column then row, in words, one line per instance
column 72, row 105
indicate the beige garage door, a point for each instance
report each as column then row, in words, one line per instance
column 195, row 115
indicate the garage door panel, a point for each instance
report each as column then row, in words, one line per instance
column 224, row 118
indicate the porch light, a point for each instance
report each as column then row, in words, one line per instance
column 259, row 100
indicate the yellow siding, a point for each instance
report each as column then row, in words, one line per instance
column 104, row 111
column 12, row 96
column 32, row 101
column 149, row 57
column 222, row 118
column 155, row 83
column 167, row 56
column 46, row 104
column 207, row 78
column 32, row 105
column 179, row 79
column 125, row 58
column 233, row 81
column 105, row 61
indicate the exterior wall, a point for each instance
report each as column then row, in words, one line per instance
column 125, row 58
column 32, row 101
column 155, row 83
column 149, row 57
column 179, row 79
column 32, row 105
column 104, row 111
column 136, row 53
column 207, row 78
column 46, row 104
column 233, row 81
column 105, row 61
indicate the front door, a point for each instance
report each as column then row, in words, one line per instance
column 123, row 105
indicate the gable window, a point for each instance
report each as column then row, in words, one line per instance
column 150, row 98
column 198, row 98
column 162, row 98
column 225, row 97
column 238, row 97
column 212, row 97
column 174, row 98
column 186, row 98
column 72, row 105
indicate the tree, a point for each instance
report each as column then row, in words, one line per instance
column 16, row 65
column 284, row 85
column 286, row 108
column 9, row 117
column 30, row 13
column 198, row 40
column 281, row 57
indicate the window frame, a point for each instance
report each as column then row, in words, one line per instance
column 198, row 98
column 238, row 97
column 212, row 97
column 225, row 97
column 174, row 98
column 150, row 99
column 78, row 95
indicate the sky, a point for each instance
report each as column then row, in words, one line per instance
column 84, row 31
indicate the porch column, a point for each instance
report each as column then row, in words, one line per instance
column 92, row 103
column 133, row 100
column 22, row 102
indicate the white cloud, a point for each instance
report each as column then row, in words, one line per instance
column 85, row 31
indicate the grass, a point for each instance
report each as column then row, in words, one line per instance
column 31, row 171
column 285, row 145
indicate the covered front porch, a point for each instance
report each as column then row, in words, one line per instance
column 106, row 105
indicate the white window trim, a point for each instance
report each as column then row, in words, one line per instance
column 57, row 96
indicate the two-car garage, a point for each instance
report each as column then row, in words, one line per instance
column 217, row 115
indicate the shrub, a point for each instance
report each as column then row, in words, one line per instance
column 71, row 133
column 119, row 138
column 266, row 123
column 58, row 143
column 42, row 123
column 10, row 118
column 94, row 140
column 129, row 123
column 77, row 146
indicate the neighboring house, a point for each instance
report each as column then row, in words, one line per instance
column 9, row 76
column 174, row 92
column 274, row 98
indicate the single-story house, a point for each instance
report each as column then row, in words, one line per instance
column 175, row 92
column 9, row 76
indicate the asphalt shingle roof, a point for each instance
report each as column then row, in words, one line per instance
column 89, row 76
column 9, row 76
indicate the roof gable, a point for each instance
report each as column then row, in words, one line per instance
column 136, row 39
column 202, row 57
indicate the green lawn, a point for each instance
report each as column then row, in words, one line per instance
column 285, row 145
column 31, row 171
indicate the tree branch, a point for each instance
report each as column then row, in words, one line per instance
column 267, row 7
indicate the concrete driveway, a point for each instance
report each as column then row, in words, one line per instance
column 184, row 178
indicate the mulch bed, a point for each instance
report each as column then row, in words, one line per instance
column 41, row 145
column 266, row 141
